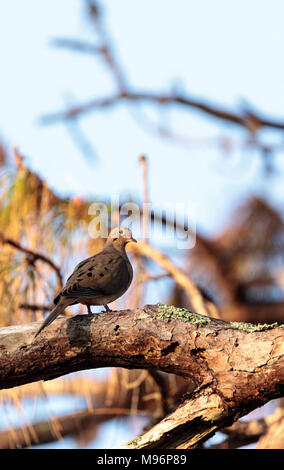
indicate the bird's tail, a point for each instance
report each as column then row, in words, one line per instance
column 53, row 314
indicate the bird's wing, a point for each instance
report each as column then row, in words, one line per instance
column 102, row 274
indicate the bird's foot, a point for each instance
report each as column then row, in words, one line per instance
column 107, row 309
column 89, row 309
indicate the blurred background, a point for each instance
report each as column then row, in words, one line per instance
column 156, row 102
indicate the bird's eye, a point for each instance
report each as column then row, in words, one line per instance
column 121, row 232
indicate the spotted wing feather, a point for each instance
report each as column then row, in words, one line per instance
column 100, row 275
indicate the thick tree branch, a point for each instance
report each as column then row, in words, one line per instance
column 236, row 367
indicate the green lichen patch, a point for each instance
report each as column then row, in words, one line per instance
column 168, row 313
column 254, row 327
column 134, row 442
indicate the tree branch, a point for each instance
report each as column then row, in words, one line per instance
column 73, row 424
column 33, row 256
column 236, row 367
column 245, row 120
column 192, row 291
column 103, row 50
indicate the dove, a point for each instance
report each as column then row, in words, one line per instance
column 97, row 280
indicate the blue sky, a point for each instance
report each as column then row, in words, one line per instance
column 220, row 50
column 226, row 52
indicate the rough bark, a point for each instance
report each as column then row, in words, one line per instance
column 236, row 367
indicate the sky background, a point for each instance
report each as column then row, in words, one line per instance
column 225, row 52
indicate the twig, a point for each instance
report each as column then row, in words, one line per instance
column 246, row 118
column 77, row 45
column 36, row 307
column 146, row 219
column 43, row 308
column 148, row 277
column 128, row 96
column 95, row 15
column 208, row 250
column 136, row 383
column 70, row 424
column 177, row 274
column 33, row 256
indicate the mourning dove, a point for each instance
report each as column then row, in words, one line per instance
column 97, row 280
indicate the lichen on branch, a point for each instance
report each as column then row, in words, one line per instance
column 168, row 312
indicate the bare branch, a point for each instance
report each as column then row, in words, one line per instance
column 77, row 45
column 195, row 297
column 240, row 119
column 247, row 119
column 71, row 424
column 33, row 256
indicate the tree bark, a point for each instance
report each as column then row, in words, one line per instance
column 235, row 367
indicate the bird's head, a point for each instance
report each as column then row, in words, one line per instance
column 120, row 236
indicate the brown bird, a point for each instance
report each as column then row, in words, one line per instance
column 97, row 280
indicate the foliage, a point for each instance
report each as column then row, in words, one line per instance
column 34, row 217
